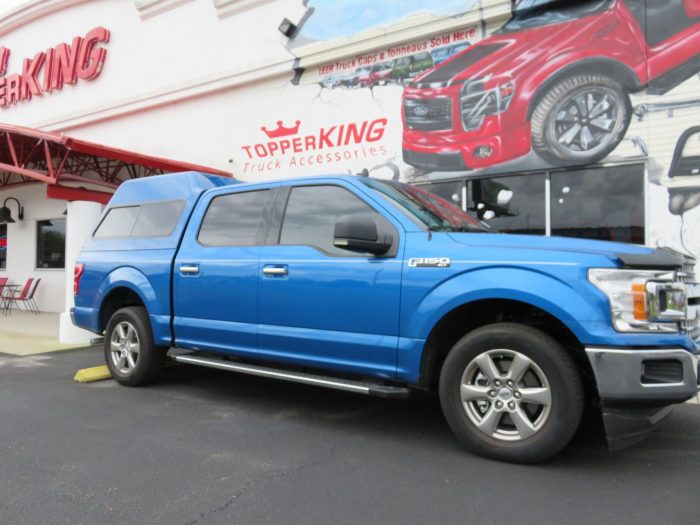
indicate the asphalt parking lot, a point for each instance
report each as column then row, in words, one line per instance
column 208, row 447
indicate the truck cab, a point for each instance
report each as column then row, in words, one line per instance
column 379, row 287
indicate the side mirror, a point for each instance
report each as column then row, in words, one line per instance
column 359, row 234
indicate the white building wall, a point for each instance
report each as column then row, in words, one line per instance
column 81, row 218
column 21, row 245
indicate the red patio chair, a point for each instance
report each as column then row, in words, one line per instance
column 3, row 282
column 20, row 297
column 29, row 299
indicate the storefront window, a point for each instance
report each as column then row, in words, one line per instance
column 599, row 203
column 595, row 203
column 510, row 204
column 51, row 243
column 3, row 246
column 452, row 191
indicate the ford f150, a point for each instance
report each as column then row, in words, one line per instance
column 378, row 287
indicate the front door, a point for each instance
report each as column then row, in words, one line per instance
column 325, row 306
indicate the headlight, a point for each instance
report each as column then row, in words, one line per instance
column 477, row 102
column 642, row 301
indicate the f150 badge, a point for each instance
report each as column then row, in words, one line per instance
column 429, row 262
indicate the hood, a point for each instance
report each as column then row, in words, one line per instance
column 611, row 250
column 512, row 54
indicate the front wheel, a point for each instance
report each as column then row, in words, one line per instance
column 580, row 120
column 132, row 357
column 511, row 392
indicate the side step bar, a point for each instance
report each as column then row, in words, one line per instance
column 347, row 385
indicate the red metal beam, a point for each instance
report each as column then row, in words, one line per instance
column 27, row 173
column 96, row 182
column 57, row 191
column 52, row 158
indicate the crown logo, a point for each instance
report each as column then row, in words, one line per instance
column 281, row 131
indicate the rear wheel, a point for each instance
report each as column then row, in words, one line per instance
column 511, row 392
column 131, row 356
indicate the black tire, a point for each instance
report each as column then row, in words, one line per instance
column 144, row 365
column 555, row 118
column 551, row 426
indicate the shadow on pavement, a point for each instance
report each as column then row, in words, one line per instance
column 418, row 418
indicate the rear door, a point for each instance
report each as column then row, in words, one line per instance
column 215, row 276
column 323, row 306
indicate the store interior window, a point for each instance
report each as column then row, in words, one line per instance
column 593, row 203
column 599, row 203
column 3, row 246
column 51, row 243
column 452, row 191
column 510, row 204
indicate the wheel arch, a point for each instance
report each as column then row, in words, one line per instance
column 117, row 298
column 125, row 286
column 472, row 315
column 618, row 71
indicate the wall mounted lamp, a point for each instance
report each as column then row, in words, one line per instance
column 6, row 215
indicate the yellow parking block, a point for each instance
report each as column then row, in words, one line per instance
column 96, row 373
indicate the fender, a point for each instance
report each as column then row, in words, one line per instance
column 565, row 65
column 574, row 307
column 135, row 280
column 158, row 307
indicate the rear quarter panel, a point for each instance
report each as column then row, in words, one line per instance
column 145, row 272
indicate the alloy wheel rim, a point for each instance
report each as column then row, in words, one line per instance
column 505, row 395
column 125, row 347
column 586, row 121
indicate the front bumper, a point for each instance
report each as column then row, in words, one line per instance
column 626, row 376
column 637, row 385
column 437, row 139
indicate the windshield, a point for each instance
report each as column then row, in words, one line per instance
column 434, row 212
column 534, row 13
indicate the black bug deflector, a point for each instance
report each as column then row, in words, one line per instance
column 661, row 259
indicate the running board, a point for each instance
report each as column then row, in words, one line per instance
column 369, row 389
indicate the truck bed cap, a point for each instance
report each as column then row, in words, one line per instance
column 175, row 186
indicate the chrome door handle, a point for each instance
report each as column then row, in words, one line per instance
column 190, row 269
column 275, row 271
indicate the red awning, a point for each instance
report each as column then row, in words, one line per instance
column 30, row 155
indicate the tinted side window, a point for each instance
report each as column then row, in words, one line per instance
column 312, row 212
column 158, row 219
column 235, row 219
column 118, row 222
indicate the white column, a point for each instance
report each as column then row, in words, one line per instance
column 82, row 218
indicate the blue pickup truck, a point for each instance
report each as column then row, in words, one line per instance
column 380, row 288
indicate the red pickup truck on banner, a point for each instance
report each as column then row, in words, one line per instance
column 556, row 78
